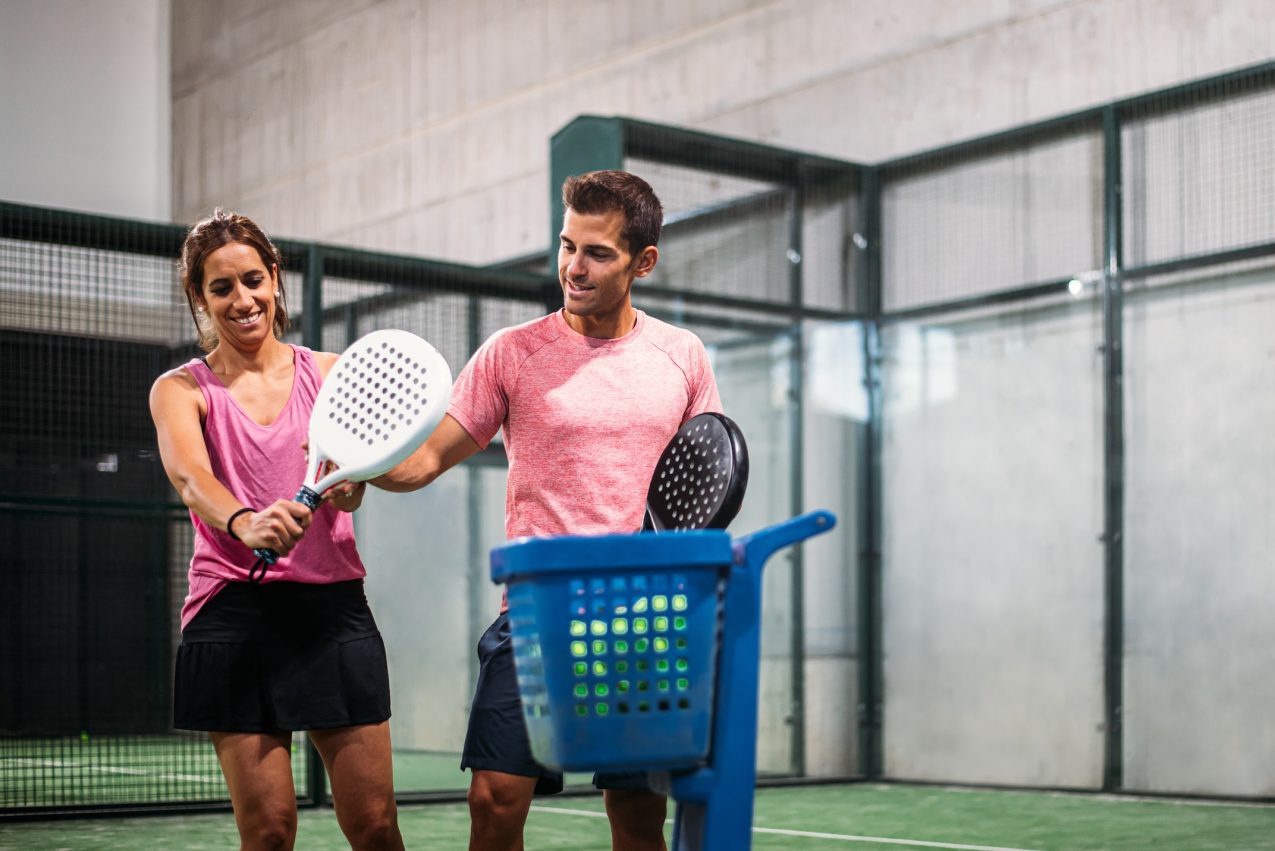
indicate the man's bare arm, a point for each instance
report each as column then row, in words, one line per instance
column 446, row 447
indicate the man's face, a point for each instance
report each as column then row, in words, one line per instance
column 596, row 270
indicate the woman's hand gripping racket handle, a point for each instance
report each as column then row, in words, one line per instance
column 388, row 391
column 265, row 557
column 310, row 496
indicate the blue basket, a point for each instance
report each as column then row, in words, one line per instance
column 615, row 644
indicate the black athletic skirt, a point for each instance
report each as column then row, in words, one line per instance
column 281, row 656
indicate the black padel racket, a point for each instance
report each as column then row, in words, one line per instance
column 700, row 479
column 384, row 397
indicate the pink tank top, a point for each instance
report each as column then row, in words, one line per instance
column 260, row 464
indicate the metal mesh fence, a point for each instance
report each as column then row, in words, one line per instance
column 1199, row 171
column 757, row 242
column 96, row 547
column 1071, row 351
column 95, row 554
column 723, row 234
column 1198, row 175
column 991, row 218
column 88, row 292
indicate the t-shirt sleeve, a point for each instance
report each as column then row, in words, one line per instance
column 703, row 385
column 479, row 401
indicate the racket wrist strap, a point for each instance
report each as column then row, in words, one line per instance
column 230, row 521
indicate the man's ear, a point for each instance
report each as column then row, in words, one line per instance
column 646, row 261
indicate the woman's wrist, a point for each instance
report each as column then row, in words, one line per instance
column 230, row 521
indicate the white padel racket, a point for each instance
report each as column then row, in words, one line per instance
column 388, row 391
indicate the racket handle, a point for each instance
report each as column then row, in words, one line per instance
column 306, row 497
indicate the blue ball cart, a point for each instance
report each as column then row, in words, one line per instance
column 640, row 652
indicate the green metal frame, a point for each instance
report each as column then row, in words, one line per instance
column 314, row 261
column 1108, row 121
column 1113, row 448
column 621, row 138
column 593, row 142
column 871, row 708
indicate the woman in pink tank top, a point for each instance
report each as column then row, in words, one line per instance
column 296, row 648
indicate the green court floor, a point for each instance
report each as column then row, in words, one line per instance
column 792, row 818
column 69, row 771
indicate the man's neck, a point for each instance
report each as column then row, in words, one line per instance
column 610, row 327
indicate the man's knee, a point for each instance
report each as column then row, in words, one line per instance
column 637, row 819
column 501, row 799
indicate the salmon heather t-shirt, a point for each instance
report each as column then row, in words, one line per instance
column 585, row 420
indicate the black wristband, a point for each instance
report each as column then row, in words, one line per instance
column 231, row 519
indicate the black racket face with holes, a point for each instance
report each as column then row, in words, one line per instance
column 700, row 479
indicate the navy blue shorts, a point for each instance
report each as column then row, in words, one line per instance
column 497, row 736
column 281, row 656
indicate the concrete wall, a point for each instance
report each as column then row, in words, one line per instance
column 423, row 127
column 84, row 104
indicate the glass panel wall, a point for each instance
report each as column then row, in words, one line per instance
column 1199, row 671
column 991, row 510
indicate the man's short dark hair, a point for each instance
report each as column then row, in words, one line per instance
column 600, row 192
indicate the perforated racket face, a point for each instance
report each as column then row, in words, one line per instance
column 385, row 395
column 700, row 479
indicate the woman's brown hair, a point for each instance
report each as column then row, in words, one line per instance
column 205, row 237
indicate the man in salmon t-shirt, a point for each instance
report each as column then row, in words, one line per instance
column 588, row 397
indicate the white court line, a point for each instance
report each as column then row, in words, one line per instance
column 107, row 769
column 838, row 837
column 46, row 763
column 910, row 843
column 564, row 812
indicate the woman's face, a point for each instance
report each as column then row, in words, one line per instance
column 239, row 295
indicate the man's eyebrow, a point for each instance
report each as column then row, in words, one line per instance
column 590, row 246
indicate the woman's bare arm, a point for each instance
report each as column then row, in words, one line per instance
column 175, row 404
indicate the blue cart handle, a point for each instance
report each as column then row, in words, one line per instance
column 756, row 548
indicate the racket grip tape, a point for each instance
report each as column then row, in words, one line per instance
column 306, row 497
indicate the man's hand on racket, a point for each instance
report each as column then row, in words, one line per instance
column 344, row 496
column 278, row 527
